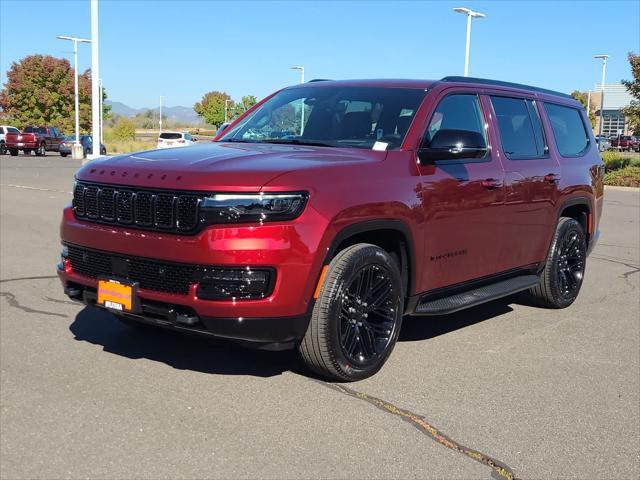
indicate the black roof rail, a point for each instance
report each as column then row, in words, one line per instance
column 319, row 80
column 499, row 83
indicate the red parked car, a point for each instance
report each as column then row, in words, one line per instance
column 625, row 143
column 393, row 198
column 38, row 139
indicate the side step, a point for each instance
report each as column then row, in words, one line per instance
column 477, row 296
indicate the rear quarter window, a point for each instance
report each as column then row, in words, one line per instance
column 569, row 130
column 170, row 136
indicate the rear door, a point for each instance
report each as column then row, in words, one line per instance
column 532, row 175
column 462, row 198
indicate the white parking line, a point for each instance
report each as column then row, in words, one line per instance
column 26, row 187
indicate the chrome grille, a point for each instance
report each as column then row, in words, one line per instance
column 145, row 209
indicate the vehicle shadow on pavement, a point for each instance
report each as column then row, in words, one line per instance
column 416, row 328
column 180, row 351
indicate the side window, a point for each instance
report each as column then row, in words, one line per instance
column 520, row 128
column 568, row 129
column 457, row 112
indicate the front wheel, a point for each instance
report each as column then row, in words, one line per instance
column 63, row 154
column 357, row 317
column 563, row 273
column 41, row 150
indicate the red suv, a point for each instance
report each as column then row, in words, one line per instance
column 331, row 209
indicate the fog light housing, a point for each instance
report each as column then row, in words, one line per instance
column 235, row 283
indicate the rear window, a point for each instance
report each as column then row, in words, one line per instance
column 170, row 136
column 568, row 129
column 520, row 128
column 12, row 130
column 35, row 130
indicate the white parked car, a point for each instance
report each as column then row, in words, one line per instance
column 3, row 130
column 175, row 139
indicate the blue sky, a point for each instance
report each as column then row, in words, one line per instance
column 182, row 49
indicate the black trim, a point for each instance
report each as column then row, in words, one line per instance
column 499, row 83
column 371, row 226
column 468, row 285
column 271, row 333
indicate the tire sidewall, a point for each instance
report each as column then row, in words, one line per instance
column 566, row 228
column 372, row 255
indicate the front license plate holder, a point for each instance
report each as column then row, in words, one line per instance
column 118, row 295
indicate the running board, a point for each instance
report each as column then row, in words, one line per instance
column 477, row 296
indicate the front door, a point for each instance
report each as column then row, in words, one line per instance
column 462, row 198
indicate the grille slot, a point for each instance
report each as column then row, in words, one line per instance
column 145, row 209
column 150, row 274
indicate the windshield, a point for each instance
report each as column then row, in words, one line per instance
column 170, row 135
column 333, row 116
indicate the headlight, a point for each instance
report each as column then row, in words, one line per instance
column 237, row 208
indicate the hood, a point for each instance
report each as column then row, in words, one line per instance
column 218, row 166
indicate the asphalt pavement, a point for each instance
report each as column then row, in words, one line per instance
column 498, row 391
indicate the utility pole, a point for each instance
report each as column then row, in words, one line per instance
column 470, row 14
column 160, row 121
column 95, row 83
column 75, row 41
column 603, row 57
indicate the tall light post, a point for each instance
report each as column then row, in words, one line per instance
column 101, row 115
column 160, row 121
column 226, row 108
column 301, row 68
column 75, row 41
column 95, row 76
column 470, row 14
column 603, row 57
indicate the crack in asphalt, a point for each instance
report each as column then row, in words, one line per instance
column 499, row 469
column 13, row 302
column 625, row 275
column 65, row 302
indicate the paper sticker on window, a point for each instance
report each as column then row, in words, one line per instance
column 380, row 146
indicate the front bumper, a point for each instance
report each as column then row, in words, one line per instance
column 292, row 249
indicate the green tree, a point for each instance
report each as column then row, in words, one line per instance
column 124, row 129
column 247, row 102
column 211, row 107
column 583, row 98
column 632, row 112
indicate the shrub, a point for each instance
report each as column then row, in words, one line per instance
column 624, row 177
column 124, row 129
column 614, row 160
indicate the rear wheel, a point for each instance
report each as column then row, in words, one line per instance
column 564, row 269
column 356, row 320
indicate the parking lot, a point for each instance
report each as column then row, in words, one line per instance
column 503, row 389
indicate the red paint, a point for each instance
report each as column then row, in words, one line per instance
column 497, row 214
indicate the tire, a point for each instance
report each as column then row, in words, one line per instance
column 41, row 151
column 563, row 273
column 64, row 154
column 357, row 317
column 13, row 152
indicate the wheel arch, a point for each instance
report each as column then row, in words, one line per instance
column 580, row 209
column 392, row 235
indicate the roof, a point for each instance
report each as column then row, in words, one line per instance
column 424, row 84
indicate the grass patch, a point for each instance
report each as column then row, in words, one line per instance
column 127, row 146
column 628, row 176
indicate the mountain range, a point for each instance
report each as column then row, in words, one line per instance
column 177, row 114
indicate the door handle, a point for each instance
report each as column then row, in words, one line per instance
column 552, row 178
column 491, row 183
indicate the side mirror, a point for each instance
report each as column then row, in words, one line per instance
column 453, row 145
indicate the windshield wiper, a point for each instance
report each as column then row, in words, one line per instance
column 295, row 141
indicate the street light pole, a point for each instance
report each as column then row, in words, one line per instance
column 470, row 14
column 160, row 121
column 101, row 115
column 95, row 76
column 75, row 41
column 301, row 68
column 603, row 57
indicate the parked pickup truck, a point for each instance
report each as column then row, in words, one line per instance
column 38, row 139
column 625, row 142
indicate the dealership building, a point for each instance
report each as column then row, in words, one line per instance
column 616, row 97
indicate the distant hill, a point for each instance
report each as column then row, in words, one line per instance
column 176, row 114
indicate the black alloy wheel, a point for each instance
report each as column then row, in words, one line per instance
column 564, row 268
column 357, row 316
